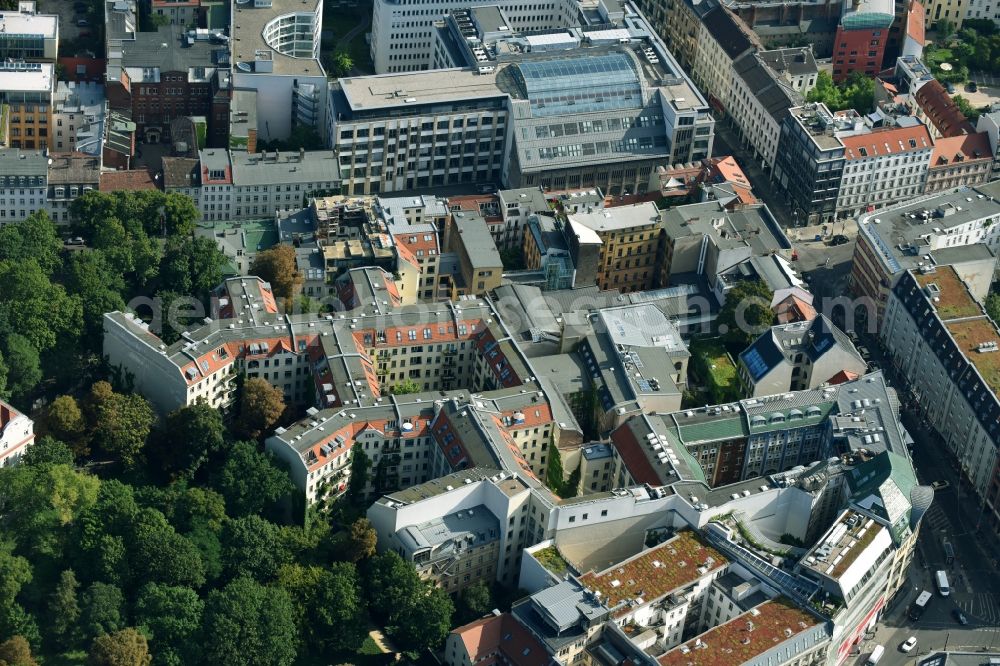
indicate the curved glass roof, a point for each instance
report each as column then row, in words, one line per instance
column 579, row 85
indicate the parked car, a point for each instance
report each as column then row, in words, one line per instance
column 950, row 88
column 908, row 644
column 971, row 86
column 940, row 485
column 960, row 616
column 82, row 23
column 865, row 354
column 839, row 239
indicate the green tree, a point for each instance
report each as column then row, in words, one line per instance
column 64, row 608
column 360, row 465
column 188, row 437
column 171, row 616
column 390, row 584
column 342, row 63
column 261, row 405
column 944, row 29
column 122, row 648
column 278, row 267
column 15, row 573
column 826, row 91
column 64, row 419
column 993, row 307
column 250, row 481
column 329, row 606
column 358, row 542
column 24, row 366
column 859, row 93
column 554, row 474
column 253, row 546
column 15, row 651
column 474, row 602
column 161, row 555
column 32, row 306
column 191, row 266
column 250, row 625
column 746, row 313
column 404, row 387
column 966, row 108
column 89, row 276
column 122, row 422
column 47, row 451
column 180, row 215
column 423, row 623
column 34, row 238
column 103, row 610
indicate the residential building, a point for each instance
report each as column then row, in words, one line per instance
column 545, row 250
column 27, row 35
column 965, row 159
column 276, row 52
column 266, row 184
column 23, row 183
column 17, row 433
column 760, row 98
column 496, row 636
column 596, row 469
column 177, row 12
column 797, row 356
column 501, row 117
column 479, row 265
column 796, row 66
column 990, row 124
column 403, row 41
column 629, row 239
column 793, row 304
column 982, row 9
column 945, row 346
column 707, row 241
column 956, row 228
column 722, row 39
column 26, row 97
column 914, row 24
column 935, row 106
column 862, row 35
column 69, row 177
column 79, row 114
column 938, row 10
column 127, row 180
column 517, row 205
column 416, row 224
column 883, row 166
column 810, row 161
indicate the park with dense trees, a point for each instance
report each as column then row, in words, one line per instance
column 131, row 538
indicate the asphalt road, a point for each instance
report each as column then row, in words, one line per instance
column 727, row 142
column 953, row 518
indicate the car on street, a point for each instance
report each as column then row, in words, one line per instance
column 865, row 354
column 908, row 644
column 82, row 23
column 960, row 616
column 940, row 485
column 839, row 239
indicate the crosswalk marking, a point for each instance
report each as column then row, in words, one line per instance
column 982, row 606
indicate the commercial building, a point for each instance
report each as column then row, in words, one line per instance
column 862, row 35
column 177, row 12
column 27, row 35
column 403, row 39
column 23, row 183
column 17, row 433
column 810, row 162
column 505, row 114
column 275, row 50
column 945, row 346
column 156, row 77
column 26, row 99
column 797, row 356
column 954, row 228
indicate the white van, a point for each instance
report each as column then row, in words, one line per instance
column 942, row 583
column 875, row 656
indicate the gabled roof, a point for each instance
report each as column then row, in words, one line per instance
column 949, row 150
column 729, row 31
column 941, row 110
column 135, row 179
column 886, row 142
column 503, row 634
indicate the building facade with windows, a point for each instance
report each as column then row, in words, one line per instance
column 26, row 95
column 17, row 433
column 810, row 162
column 862, row 35
column 23, row 183
column 883, row 166
column 27, row 35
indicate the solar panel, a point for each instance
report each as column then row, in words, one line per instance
column 755, row 363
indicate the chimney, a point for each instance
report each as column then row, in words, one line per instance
column 302, row 154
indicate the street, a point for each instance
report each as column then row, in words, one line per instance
column 952, row 518
column 727, row 142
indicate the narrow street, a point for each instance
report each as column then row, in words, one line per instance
column 727, row 142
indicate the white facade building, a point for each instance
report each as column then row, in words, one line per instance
column 882, row 167
column 23, row 183
column 758, row 103
column 402, row 37
column 17, row 433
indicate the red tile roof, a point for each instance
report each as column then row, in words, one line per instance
column 628, row 446
column 941, row 111
column 842, row 376
column 888, row 141
column 497, row 635
column 961, row 148
column 136, row 179
column 915, row 18
column 792, row 309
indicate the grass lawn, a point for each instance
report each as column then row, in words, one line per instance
column 716, row 368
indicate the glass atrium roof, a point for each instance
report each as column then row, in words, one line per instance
column 579, row 85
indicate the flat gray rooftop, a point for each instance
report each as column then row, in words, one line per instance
column 247, row 31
